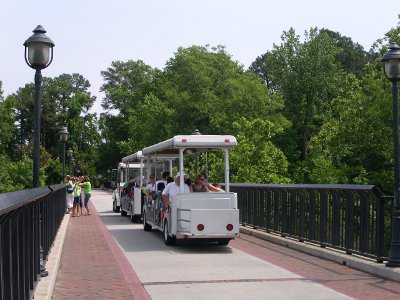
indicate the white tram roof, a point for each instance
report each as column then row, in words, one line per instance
column 123, row 165
column 197, row 142
column 133, row 157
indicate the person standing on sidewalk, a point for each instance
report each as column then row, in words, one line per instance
column 70, row 195
column 77, row 196
column 87, row 190
column 81, row 179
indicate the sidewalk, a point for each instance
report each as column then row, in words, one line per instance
column 92, row 266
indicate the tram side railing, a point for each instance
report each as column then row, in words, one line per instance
column 29, row 220
column 344, row 217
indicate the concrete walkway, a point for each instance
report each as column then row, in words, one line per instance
column 105, row 256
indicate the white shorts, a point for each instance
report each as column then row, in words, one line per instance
column 70, row 200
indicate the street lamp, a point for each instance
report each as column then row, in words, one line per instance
column 38, row 55
column 69, row 155
column 392, row 71
column 196, row 132
column 64, row 135
column 73, row 166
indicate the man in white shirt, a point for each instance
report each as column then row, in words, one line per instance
column 172, row 189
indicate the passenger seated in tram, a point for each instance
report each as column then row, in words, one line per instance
column 172, row 189
column 216, row 187
column 200, row 184
column 128, row 186
column 151, row 188
column 160, row 184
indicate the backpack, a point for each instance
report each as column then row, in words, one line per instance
column 70, row 189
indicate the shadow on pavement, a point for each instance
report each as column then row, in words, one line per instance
column 137, row 240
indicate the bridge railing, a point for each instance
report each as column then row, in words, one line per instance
column 29, row 220
column 345, row 217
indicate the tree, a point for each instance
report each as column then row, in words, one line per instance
column 209, row 91
column 256, row 159
column 352, row 57
column 308, row 76
column 152, row 121
column 7, row 127
column 355, row 145
column 126, row 86
column 66, row 101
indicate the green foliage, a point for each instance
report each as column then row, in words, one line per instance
column 151, row 121
column 352, row 56
column 256, row 159
column 53, row 172
column 126, row 86
column 17, row 175
column 355, row 145
column 66, row 101
column 309, row 75
column 209, row 91
column 7, row 126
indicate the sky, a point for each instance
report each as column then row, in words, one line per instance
column 89, row 35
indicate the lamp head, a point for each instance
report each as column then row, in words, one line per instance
column 64, row 134
column 69, row 152
column 196, row 132
column 391, row 62
column 40, row 49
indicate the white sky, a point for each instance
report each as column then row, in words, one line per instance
column 90, row 34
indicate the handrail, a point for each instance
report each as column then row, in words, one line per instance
column 29, row 221
column 345, row 217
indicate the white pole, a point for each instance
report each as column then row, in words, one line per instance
column 226, row 151
column 141, row 173
column 182, row 179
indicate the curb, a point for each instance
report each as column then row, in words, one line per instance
column 353, row 261
column 45, row 287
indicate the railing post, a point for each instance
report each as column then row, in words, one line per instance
column 323, row 216
column 283, row 194
column 349, row 229
column 364, row 221
column 277, row 207
column 312, row 214
column 269, row 210
column 292, row 212
column 2, row 282
column 335, row 218
column 302, row 202
column 380, row 228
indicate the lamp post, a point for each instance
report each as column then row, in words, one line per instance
column 38, row 56
column 64, row 135
column 69, row 155
column 391, row 62
column 73, row 166
column 196, row 132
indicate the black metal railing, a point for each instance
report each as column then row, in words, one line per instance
column 345, row 217
column 29, row 220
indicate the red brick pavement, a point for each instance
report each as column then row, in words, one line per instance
column 92, row 265
column 343, row 279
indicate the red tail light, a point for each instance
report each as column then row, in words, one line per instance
column 229, row 227
column 200, row 227
column 227, row 140
column 184, row 140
